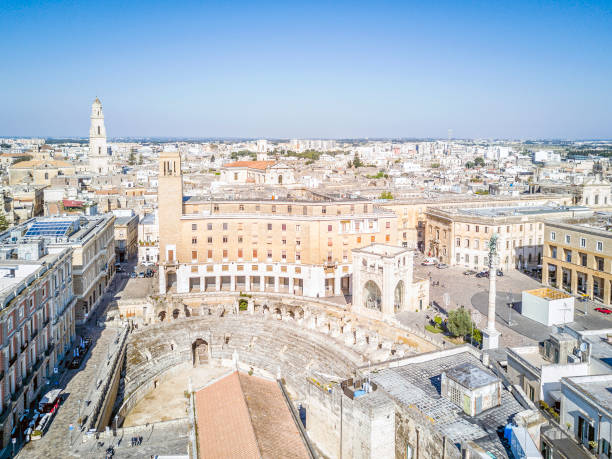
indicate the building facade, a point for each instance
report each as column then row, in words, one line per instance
column 91, row 239
column 460, row 237
column 148, row 239
column 578, row 257
column 301, row 245
column 37, row 325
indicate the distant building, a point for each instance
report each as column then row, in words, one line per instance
column 126, row 237
column 257, row 173
column 148, row 239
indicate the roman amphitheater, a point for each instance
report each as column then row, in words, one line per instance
column 183, row 342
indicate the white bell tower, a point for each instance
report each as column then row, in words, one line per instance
column 99, row 159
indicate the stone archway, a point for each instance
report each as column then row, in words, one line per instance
column 399, row 296
column 199, row 352
column 372, row 296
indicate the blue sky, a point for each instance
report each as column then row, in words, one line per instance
column 308, row 69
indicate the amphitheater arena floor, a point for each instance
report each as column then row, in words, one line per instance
column 167, row 401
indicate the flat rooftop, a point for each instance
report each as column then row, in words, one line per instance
column 597, row 388
column 548, row 293
column 417, row 387
column 520, row 210
column 383, row 250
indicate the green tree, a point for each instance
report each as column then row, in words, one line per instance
column 140, row 159
column 357, row 161
column 386, row 195
column 459, row 322
column 435, row 166
column 479, row 161
column 469, row 165
column 477, row 336
column 22, row 158
column 4, row 224
column 212, row 159
column 132, row 159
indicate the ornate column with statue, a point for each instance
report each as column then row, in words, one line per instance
column 490, row 334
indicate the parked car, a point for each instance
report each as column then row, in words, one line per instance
column 441, row 266
column 430, row 261
column 500, row 273
column 133, row 275
column 147, row 263
column 604, row 310
column 469, row 272
column 149, row 273
column 482, row 274
column 75, row 363
column 141, row 274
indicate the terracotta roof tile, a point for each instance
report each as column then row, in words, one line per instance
column 262, row 165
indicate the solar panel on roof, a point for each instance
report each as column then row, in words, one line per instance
column 46, row 228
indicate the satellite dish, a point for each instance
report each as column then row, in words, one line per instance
column 584, row 347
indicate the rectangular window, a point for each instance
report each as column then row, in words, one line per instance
column 194, row 226
column 225, row 239
column 210, row 254
column 323, row 210
column 241, row 207
column 284, row 241
column 273, row 209
column 568, row 256
column 269, row 254
column 209, row 226
column 599, row 263
column 388, row 225
column 224, row 254
column 254, row 254
column 582, row 242
column 289, row 209
column 216, row 207
column 284, row 254
column 458, row 242
column 553, row 251
column 553, row 236
column 583, row 259
column 298, row 256
column 194, row 240
column 225, row 226
column 486, row 229
column 209, row 240
column 269, row 226
column 329, row 241
column 298, row 228
column 240, row 239
column 284, row 227
column 239, row 253
column 345, row 255
column 387, row 238
column 329, row 228
column 194, row 255
column 477, row 228
column 568, row 239
column 358, row 239
column 599, row 246
column 305, row 210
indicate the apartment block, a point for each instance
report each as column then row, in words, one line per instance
column 578, row 256
column 91, row 239
column 37, row 324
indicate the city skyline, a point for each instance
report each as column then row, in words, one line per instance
column 271, row 71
